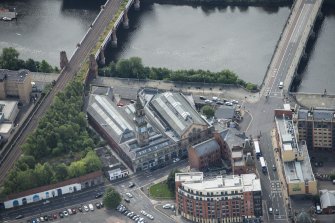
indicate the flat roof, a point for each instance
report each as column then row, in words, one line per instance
column 13, row 75
column 190, row 176
column 5, row 128
column 299, row 171
column 8, row 107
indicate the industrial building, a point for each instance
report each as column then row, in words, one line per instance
column 149, row 133
column 222, row 199
column 294, row 155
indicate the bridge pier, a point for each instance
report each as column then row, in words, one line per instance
column 63, row 60
column 102, row 59
column 125, row 19
column 114, row 38
column 137, row 4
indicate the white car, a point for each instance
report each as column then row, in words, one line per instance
column 167, row 206
column 208, row 101
column 144, row 213
column 228, row 103
column 86, row 208
column 91, row 207
column 6, row 19
column 129, row 195
column 65, row 213
column 150, row 216
column 234, row 101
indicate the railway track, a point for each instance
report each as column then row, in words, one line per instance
column 67, row 74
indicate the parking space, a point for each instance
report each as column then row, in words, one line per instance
column 140, row 217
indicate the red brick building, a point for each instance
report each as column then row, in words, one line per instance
column 229, row 199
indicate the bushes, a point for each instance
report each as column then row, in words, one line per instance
column 9, row 59
column 133, row 68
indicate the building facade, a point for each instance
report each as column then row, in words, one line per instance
column 229, row 199
column 299, row 177
column 15, row 84
column 151, row 132
column 53, row 190
column 316, row 127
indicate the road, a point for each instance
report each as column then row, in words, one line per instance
column 78, row 58
column 138, row 203
column 288, row 51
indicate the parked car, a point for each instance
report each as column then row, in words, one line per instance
column 270, row 210
column 202, row 98
column 80, row 209
column 91, row 207
column 74, row 211
column 131, row 184
column 167, row 206
column 101, row 204
column 69, row 211
column 86, row 208
column 65, row 213
column 318, row 209
column 129, row 195
column 127, row 200
column 98, row 205
column 228, row 103
column 61, row 215
column 208, row 101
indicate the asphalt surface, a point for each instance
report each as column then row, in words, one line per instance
column 288, row 51
column 66, row 75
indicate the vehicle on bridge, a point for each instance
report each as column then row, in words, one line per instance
column 263, row 164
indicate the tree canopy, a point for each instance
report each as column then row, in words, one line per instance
column 111, row 198
column 171, row 180
column 9, row 59
column 208, row 111
column 133, row 68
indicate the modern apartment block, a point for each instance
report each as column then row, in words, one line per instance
column 15, row 84
column 294, row 155
column 316, row 127
column 222, row 199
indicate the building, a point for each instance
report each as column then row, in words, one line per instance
column 8, row 113
column 229, row 199
column 316, row 127
column 53, row 190
column 327, row 201
column 294, row 155
column 111, row 166
column 205, row 154
column 15, row 84
column 150, row 132
column 229, row 146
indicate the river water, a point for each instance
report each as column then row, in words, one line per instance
column 178, row 37
column 46, row 27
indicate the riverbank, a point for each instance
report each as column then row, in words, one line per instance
column 225, row 2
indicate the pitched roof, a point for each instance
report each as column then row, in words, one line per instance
column 327, row 198
column 206, row 147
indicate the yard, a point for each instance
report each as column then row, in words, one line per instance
column 161, row 191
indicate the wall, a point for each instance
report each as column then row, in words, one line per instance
column 43, row 195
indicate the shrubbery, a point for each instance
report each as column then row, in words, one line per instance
column 133, row 68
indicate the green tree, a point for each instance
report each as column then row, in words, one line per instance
column 111, row 198
column 30, row 64
column 45, row 67
column 171, row 180
column 9, row 59
column 77, row 169
column 92, row 162
column 208, row 111
column 61, row 172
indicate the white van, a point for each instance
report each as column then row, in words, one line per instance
column 281, row 85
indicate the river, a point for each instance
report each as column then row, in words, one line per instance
column 178, row 37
